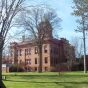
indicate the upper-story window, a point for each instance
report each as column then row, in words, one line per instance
column 54, row 50
column 45, row 49
column 17, row 53
column 26, row 52
column 29, row 51
column 51, row 49
column 20, row 52
column 57, row 50
column 36, row 50
column 11, row 53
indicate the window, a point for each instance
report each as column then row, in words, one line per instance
column 66, row 60
column 45, row 49
column 26, row 52
column 11, row 53
column 35, row 60
column 30, row 51
column 20, row 52
column 57, row 50
column 17, row 53
column 28, row 61
column 54, row 60
column 57, row 60
column 51, row 49
column 46, row 59
column 36, row 50
column 51, row 60
column 54, row 50
column 35, row 68
column 46, row 68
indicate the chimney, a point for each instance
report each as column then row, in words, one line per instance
column 23, row 38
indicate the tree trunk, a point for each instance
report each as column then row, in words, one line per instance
column 40, row 58
column 1, row 83
column 0, row 63
column 1, row 49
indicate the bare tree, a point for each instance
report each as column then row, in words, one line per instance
column 77, row 43
column 40, row 21
column 69, row 55
column 8, row 10
column 62, row 68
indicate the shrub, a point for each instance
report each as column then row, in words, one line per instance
column 15, row 68
column 62, row 68
column 53, row 69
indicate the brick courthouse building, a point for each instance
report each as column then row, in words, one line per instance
column 54, row 51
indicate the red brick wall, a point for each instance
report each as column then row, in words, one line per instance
column 4, row 69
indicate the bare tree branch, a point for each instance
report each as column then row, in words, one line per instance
column 40, row 22
column 8, row 10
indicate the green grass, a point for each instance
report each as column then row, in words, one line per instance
column 46, row 80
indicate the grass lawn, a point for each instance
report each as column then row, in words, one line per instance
column 46, row 80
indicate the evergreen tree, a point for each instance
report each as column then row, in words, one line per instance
column 81, row 11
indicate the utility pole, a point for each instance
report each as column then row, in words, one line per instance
column 83, row 29
column 84, row 46
column 84, row 17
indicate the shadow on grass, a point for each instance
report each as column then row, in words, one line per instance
column 64, row 84
column 67, row 75
column 49, row 82
column 53, row 79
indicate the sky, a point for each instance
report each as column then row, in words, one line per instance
column 64, row 10
column 68, row 24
